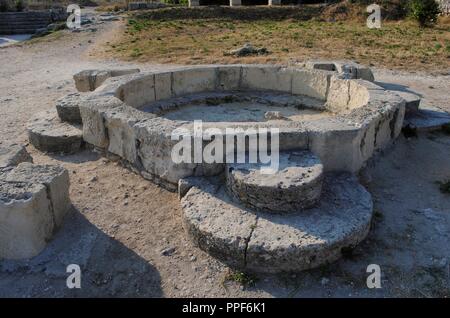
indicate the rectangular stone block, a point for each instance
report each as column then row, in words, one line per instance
column 193, row 80
column 229, row 77
column 26, row 221
column 311, row 83
column 163, row 86
column 54, row 178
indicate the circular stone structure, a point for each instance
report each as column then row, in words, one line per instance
column 296, row 185
column 49, row 134
column 342, row 121
column 267, row 242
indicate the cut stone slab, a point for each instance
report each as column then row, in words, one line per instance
column 33, row 202
column 265, row 242
column 89, row 80
column 295, row 186
column 26, row 222
column 428, row 119
column 12, row 155
column 412, row 101
column 49, row 134
column 68, row 108
column 54, row 178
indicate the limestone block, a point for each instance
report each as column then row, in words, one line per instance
column 47, row 133
column 89, row 80
column 91, row 111
column 263, row 77
column 336, row 144
column 163, row 85
column 68, row 108
column 229, row 77
column 13, row 154
column 311, row 83
column 139, row 91
column 119, row 123
column 54, row 178
column 193, row 80
column 338, row 95
column 26, row 222
column 296, row 185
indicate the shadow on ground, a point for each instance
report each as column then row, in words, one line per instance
column 109, row 269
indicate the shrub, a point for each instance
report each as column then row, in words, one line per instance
column 424, row 11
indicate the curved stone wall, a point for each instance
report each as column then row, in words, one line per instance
column 365, row 116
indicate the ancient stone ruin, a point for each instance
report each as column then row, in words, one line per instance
column 331, row 118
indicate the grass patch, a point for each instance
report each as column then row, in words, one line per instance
column 241, row 278
column 182, row 37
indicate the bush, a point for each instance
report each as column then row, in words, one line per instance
column 424, row 11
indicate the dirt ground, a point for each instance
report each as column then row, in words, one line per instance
column 121, row 224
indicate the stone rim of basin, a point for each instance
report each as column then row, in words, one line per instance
column 367, row 117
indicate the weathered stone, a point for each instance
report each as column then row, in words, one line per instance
column 89, row 80
column 265, row 242
column 216, row 225
column 348, row 69
column 295, row 186
column 412, row 101
column 33, row 202
column 54, row 178
column 47, row 133
column 68, row 108
column 12, row 155
column 26, row 222
column 359, row 117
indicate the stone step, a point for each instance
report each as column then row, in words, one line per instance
column 49, row 134
column 412, row 101
column 68, row 108
column 267, row 242
column 295, row 186
column 427, row 119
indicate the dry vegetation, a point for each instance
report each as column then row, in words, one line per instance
column 202, row 35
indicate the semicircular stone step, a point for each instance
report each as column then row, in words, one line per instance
column 68, row 108
column 49, row 134
column 296, row 185
column 267, row 242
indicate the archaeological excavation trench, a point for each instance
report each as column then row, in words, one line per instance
column 331, row 118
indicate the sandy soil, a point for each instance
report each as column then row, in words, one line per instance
column 126, row 233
